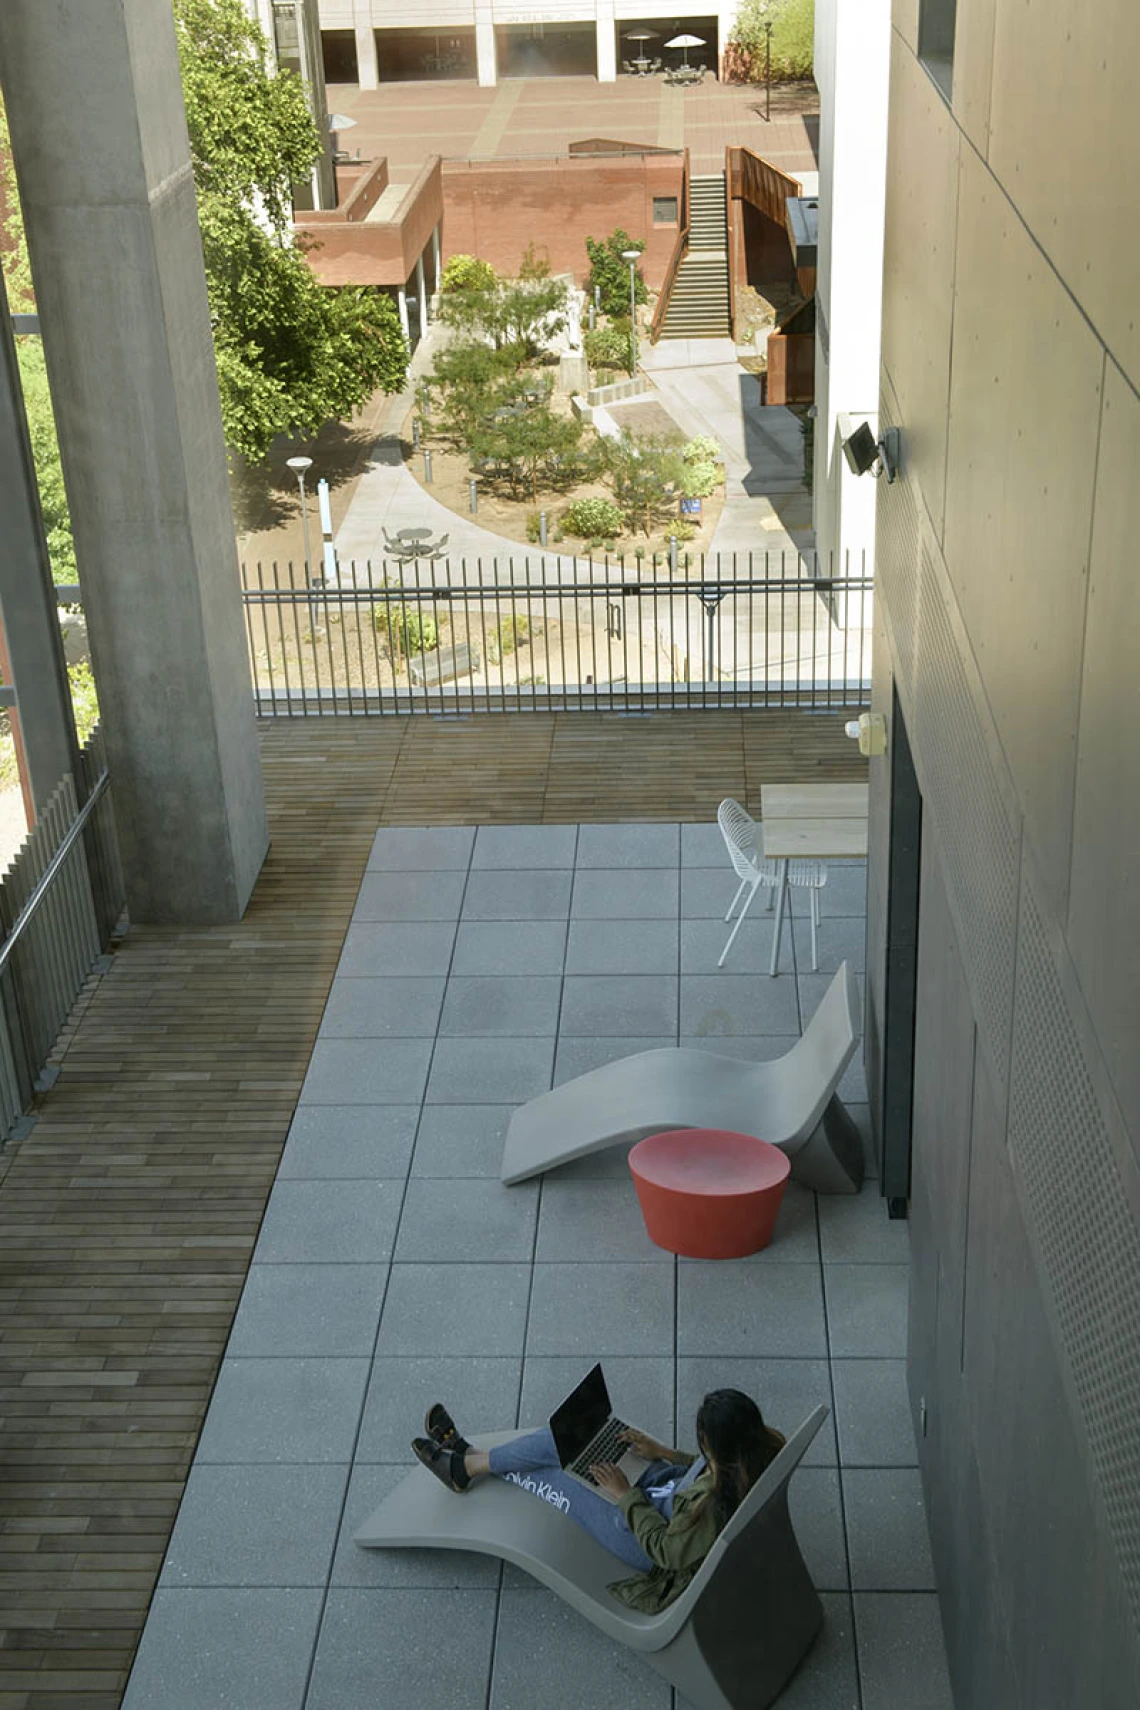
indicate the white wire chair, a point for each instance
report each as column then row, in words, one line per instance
column 741, row 836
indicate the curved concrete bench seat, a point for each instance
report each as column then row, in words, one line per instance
column 791, row 1103
column 729, row 1642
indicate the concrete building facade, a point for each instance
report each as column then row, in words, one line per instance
column 370, row 42
column 852, row 60
column 1007, row 615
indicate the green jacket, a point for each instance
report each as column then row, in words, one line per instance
column 676, row 1547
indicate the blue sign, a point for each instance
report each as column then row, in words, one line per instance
column 690, row 507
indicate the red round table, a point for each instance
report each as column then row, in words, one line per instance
column 707, row 1193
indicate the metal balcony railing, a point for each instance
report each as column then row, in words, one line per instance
column 59, row 901
column 543, row 633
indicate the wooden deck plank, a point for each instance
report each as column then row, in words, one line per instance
column 128, row 1217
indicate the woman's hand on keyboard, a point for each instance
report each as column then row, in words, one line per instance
column 610, row 1479
column 647, row 1447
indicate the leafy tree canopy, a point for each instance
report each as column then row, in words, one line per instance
column 793, row 33
column 291, row 353
column 33, row 374
column 522, row 312
column 645, row 476
column 609, row 274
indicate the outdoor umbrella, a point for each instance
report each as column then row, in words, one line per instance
column 641, row 36
column 686, row 42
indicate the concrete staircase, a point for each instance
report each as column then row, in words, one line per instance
column 698, row 304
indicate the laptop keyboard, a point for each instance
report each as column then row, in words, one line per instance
column 606, row 1446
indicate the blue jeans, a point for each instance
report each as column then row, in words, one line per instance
column 532, row 1463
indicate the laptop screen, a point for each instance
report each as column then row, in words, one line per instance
column 581, row 1416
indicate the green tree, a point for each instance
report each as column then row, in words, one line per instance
column 609, row 274
column 291, row 353
column 793, row 33
column 33, row 374
column 535, row 445
column 521, row 312
column 475, row 380
column 645, row 475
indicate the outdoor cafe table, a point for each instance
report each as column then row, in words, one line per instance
column 810, row 822
column 413, row 534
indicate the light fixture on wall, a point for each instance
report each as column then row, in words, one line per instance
column 864, row 452
column 869, row 730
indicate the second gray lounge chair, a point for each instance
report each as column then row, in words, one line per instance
column 730, row 1641
column 792, row 1103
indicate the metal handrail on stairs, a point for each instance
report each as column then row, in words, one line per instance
column 680, row 249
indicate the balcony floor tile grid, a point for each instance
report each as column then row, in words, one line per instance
column 393, row 1268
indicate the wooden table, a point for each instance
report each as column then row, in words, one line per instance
column 810, row 822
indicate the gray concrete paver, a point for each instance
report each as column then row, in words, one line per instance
column 498, row 1299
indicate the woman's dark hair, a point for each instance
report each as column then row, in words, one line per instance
column 732, row 1432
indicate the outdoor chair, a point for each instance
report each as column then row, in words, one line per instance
column 628, row 66
column 440, row 547
column 742, row 840
column 730, row 1641
column 656, row 65
column 791, row 1102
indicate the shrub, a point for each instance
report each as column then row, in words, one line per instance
column 609, row 274
column 606, row 347
column 681, row 532
column 408, row 630
column 702, row 448
column 84, row 700
column 533, row 527
column 592, row 519
column 467, row 273
column 513, row 632
column 535, row 263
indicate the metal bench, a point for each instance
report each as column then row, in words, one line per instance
column 730, row 1641
column 442, row 664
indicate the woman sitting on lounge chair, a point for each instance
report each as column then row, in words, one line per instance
column 664, row 1525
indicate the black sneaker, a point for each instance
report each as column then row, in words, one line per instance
column 441, row 1428
column 446, row 1464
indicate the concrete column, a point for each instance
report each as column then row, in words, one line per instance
column 27, row 598
column 367, row 69
column 405, row 325
column 607, row 42
column 437, row 263
column 108, row 199
column 486, row 62
column 421, row 287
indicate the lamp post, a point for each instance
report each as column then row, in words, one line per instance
column 768, row 72
column 632, row 256
column 300, row 467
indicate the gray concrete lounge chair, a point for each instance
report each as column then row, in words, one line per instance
column 729, row 1642
column 792, row 1103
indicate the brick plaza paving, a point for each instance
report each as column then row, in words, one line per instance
column 407, row 122
column 481, row 966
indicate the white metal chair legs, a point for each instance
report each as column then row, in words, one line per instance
column 742, row 840
column 752, row 886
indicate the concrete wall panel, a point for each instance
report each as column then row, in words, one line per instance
column 973, row 69
column 1065, row 144
column 1104, row 897
column 918, row 266
column 1024, row 414
column 1033, row 1474
column 904, row 19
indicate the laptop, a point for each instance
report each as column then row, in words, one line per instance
column 586, row 1431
